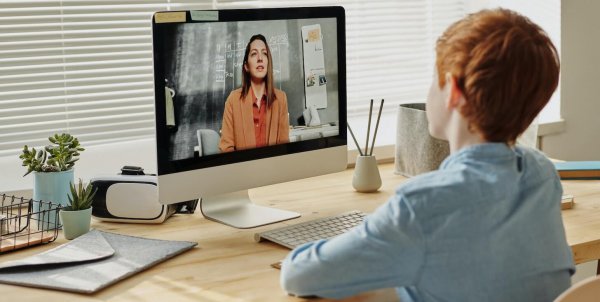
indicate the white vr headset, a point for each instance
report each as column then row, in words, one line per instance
column 132, row 197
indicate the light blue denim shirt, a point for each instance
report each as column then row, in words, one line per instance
column 486, row 226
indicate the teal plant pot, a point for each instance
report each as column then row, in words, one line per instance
column 75, row 223
column 53, row 187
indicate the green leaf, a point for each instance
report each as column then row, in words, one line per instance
column 82, row 195
column 93, row 194
column 86, row 194
column 73, row 200
column 60, row 155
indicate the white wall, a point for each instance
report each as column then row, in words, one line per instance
column 580, row 82
column 580, row 99
column 100, row 160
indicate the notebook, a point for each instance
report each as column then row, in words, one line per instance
column 578, row 169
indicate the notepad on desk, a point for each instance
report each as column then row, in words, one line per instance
column 578, row 169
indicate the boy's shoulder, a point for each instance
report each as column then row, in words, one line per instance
column 464, row 182
column 436, row 183
column 536, row 164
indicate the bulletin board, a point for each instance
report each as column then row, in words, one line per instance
column 315, row 81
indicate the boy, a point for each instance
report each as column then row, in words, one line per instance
column 487, row 225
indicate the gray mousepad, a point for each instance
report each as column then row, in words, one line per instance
column 91, row 262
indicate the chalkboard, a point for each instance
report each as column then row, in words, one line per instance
column 203, row 64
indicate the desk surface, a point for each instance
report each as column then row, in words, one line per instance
column 228, row 265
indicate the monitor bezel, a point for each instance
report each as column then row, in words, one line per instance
column 166, row 166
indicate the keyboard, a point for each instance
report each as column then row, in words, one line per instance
column 323, row 228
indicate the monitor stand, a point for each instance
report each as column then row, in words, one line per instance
column 237, row 210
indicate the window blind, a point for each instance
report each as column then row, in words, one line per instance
column 85, row 66
column 79, row 66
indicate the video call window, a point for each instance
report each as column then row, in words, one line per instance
column 240, row 85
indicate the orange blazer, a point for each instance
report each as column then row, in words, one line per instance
column 237, row 130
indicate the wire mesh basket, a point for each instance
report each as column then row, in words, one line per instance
column 27, row 222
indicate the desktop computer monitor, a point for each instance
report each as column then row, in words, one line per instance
column 247, row 98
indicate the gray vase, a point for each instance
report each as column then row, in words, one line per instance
column 416, row 150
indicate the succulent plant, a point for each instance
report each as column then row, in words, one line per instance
column 81, row 197
column 61, row 155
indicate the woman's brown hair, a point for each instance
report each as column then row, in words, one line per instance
column 506, row 67
column 269, row 82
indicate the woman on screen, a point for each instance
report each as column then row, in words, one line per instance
column 256, row 114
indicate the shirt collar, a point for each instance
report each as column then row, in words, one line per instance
column 264, row 96
column 487, row 152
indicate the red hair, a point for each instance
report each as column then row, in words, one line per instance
column 506, row 67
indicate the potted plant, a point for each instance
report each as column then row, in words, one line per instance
column 52, row 169
column 77, row 215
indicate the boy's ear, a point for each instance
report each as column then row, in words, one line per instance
column 455, row 95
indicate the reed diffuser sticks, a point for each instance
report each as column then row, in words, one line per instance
column 366, row 152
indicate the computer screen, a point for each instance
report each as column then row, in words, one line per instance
column 242, row 88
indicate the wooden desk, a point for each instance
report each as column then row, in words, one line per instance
column 582, row 223
column 228, row 265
